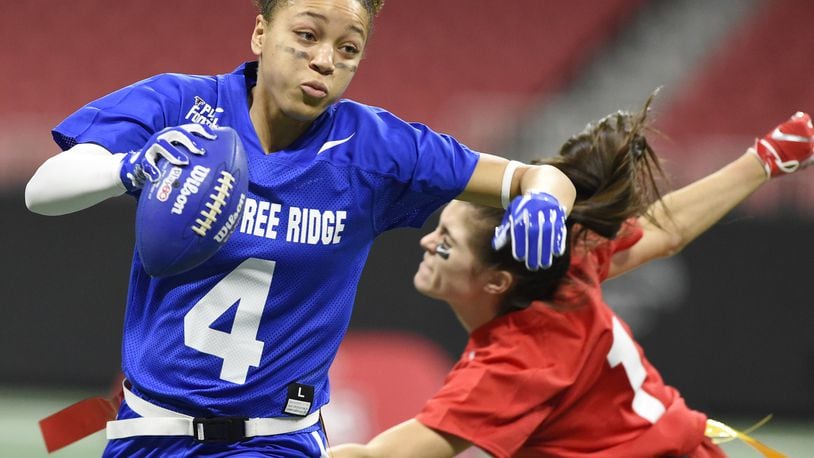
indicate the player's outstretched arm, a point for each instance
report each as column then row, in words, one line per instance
column 537, row 199
column 410, row 439
column 686, row 213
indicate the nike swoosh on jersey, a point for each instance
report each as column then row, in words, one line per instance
column 778, row 134
column 333, row 143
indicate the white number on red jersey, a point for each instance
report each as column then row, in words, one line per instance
column 624, row 352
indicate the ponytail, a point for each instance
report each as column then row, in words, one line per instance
column 615, row 172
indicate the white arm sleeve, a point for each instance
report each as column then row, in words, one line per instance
column 73, row 180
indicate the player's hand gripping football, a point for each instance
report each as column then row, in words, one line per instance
column 788, row 147
column 536, row 222
column 169, row 144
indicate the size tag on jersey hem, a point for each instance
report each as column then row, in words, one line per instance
column 300, row 399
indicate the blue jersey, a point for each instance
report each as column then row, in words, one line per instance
column 253, row 330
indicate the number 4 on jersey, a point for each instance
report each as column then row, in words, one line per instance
column 248, row 286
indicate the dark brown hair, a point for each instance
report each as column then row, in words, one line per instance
column 615, row 172
column 267, row 7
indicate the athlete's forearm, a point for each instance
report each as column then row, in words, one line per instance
column 693, row 209
column 387, row 450
column 350, row 451
column 685, row 214
column 496, row 182
column 410, row 439
column 549, row 179
column 74, row 180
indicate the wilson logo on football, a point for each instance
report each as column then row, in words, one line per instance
column 165, row 189
column 191, row 186
column 215, row 205
column 226, row 231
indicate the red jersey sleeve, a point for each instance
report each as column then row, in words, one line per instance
column 488, row 407
column 486, row 397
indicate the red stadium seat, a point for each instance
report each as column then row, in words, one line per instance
column 465, row 65
column 757, row 79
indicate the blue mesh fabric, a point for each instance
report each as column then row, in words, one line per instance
column 286, row 279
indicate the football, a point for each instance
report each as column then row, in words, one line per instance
column 184, row 217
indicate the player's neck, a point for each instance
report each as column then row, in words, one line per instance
column 274, row 129
column 473, row 316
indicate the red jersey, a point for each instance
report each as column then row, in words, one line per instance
column 541, row 382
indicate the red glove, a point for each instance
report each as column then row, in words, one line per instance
column 788, row 147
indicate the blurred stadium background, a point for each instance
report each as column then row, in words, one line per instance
column 727, row 321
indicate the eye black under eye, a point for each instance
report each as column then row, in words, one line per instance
column 442, row 249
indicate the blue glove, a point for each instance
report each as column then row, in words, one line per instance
column 140, row 166
column 536, row 222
